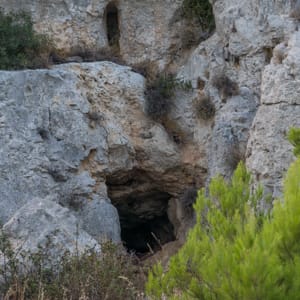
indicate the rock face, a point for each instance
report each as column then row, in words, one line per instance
column 150, row 31
column 269, row 152
column 44, row 223
column 45, row 136
column 250, row 49
column 78, row 155
column 76, row 132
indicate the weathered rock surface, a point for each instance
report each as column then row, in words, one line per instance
column 242, row 49
column 73, row 132
column 148, row 31
column 45, row 136
column 45, row 224
column 78, row 132
column 269, row 152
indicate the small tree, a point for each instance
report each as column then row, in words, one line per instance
column 234, row 251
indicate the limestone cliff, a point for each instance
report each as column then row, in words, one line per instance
column 77, row 149
column 148, row 31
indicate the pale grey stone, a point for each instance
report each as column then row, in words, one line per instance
column 269, row 152
column 43, row 224
column 101, row 220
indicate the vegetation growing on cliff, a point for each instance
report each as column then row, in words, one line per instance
column 294, row 138
column 159, row 93
column 204, row 107
column 112, row 274
column 235, row 251
column 200, row 11
column 20, row 46
column 227, row 87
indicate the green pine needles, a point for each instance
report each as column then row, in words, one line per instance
column 294, row 139
column 234, row 251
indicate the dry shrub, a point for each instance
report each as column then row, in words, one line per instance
column 114, row 274
column 158, row 102
column 204, row 107
column 234, row 155
column 227, row 87
column 200, row 84
column 160, row 90
column 159, row 93
column 146, row 68
column 295, row 12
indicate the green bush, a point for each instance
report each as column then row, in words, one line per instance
column 235, row 251
column 20, row 46
column 112, row 274
column 294, row 139
column 201, row 11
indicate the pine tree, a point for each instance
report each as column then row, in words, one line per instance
column 235, row 251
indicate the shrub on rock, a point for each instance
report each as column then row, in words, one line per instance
column 20, row 46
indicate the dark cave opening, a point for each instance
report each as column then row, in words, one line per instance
column 142, row 209
column 112, row 25
column 147, row 235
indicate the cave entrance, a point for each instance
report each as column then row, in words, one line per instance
column 142, row 209
column 144, row 236
column 112, row 25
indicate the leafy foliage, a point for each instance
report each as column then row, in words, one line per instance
column 294, row 139
column 20, row 46
column 235, row 251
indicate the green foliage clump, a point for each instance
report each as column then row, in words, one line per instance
column 112, row 274
column 159, row 93
column 294, row 139
column 235, row 251
column 201, row 11
column 20, row 46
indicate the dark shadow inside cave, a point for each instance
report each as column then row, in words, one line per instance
column 112, row 25
column 147, row 236
column 142, row 209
